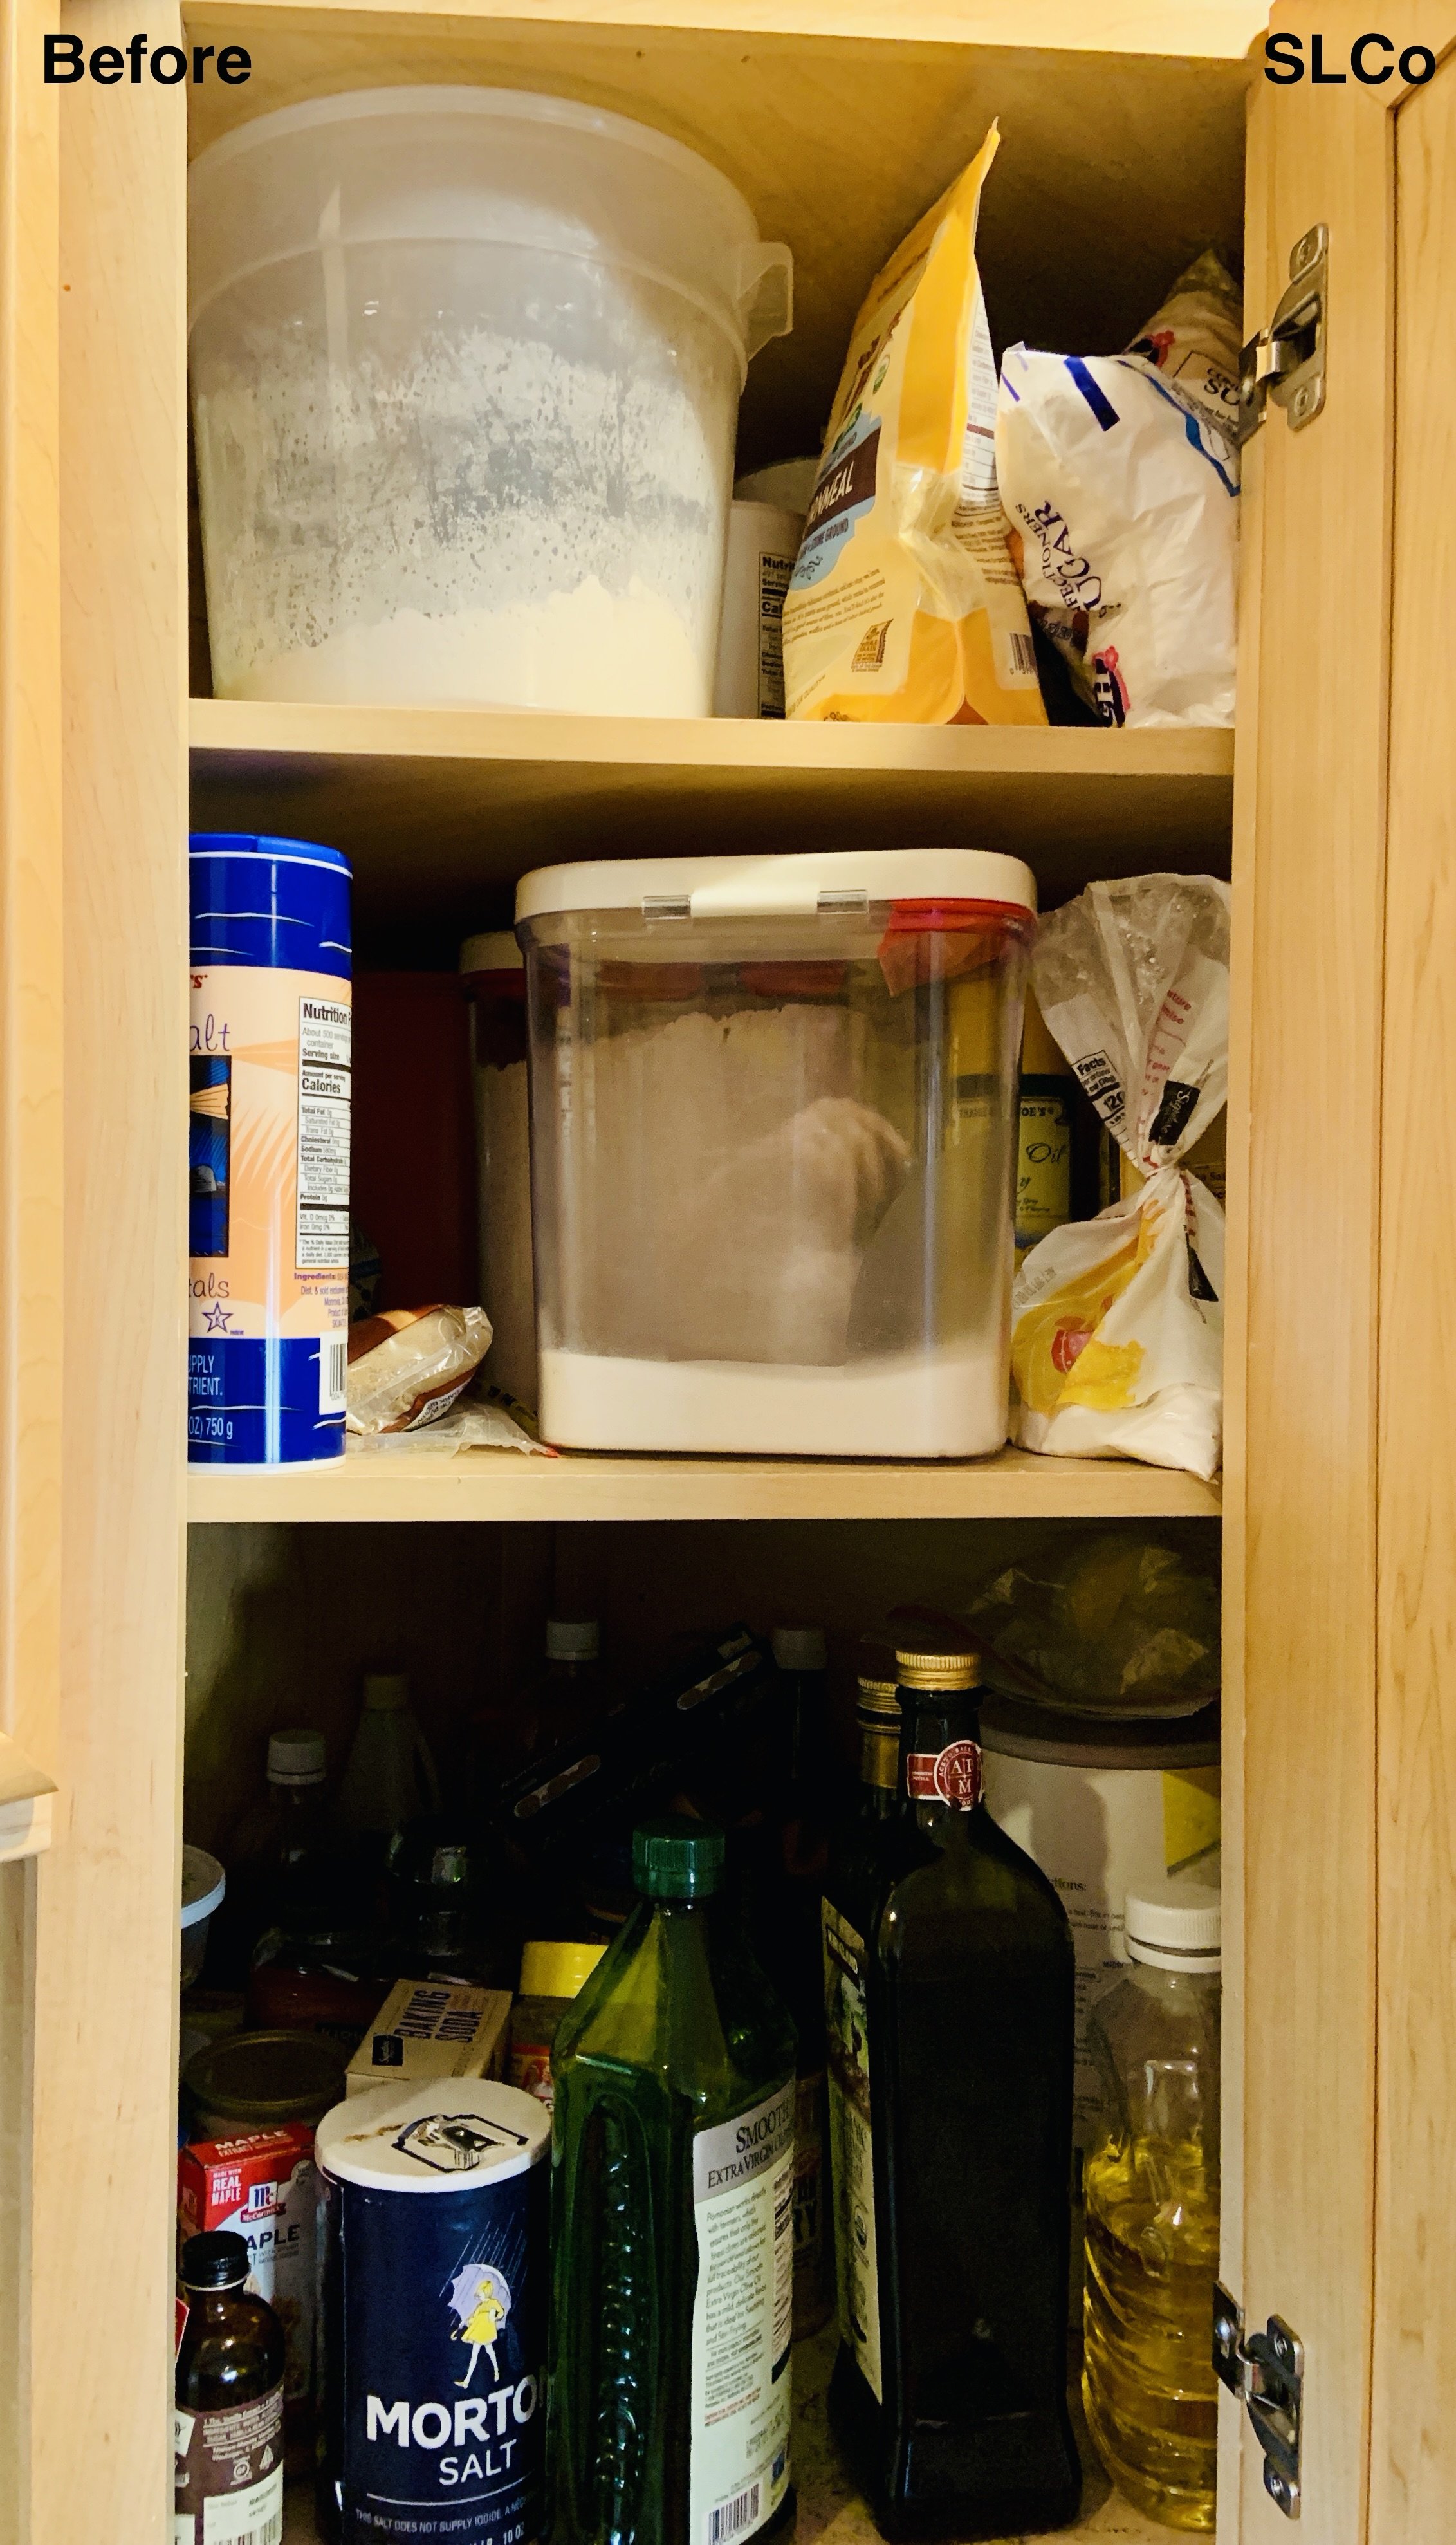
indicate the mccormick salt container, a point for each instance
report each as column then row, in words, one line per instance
column 436, row 2282
column 773, row 1141
column 267, row 1151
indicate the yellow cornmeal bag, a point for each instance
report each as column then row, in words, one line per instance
column 905, row 604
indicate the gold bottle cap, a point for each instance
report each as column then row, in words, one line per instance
column 934, row 1667
column 879, row 1696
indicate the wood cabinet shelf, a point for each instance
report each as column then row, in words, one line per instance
column 507, row 1485
column 441, row 809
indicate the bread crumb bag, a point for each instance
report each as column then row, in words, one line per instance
column 905, row 604
column 1119, row 474
column 1117, row 1321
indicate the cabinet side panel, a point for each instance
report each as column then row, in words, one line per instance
column 106, row 1942
column 1310, row 873
column 1412, row 2467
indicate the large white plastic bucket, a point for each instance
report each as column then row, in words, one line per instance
column 465, row 368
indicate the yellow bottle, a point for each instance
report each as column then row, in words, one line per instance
column 1151, row 2188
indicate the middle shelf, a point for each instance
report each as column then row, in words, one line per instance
column 505, row 1485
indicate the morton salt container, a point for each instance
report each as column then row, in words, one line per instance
column 773, row 1133
column 434, row 2315
column 267, row 1151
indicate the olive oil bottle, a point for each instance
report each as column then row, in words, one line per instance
column 672, row 2161
column 948, row 1981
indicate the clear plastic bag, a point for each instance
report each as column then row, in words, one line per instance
column 1117, row 1322
column 1110, row 1623
column 408, row 1365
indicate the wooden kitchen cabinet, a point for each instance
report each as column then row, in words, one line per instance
column 1131, row 139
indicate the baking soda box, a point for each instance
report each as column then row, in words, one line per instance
column 261, row 2186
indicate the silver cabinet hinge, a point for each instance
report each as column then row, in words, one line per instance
column 1266, row 2373
column 1285, row 361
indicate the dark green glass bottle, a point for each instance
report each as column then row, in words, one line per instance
column 672, row 2214
column 948, row 1972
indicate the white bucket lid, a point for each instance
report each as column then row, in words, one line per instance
column 447, row 2134
column 204, row 1883
column 503, row 167
column 793, row 885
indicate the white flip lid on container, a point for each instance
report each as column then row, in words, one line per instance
column 795, row 884
column 446, row 2134
column 495, row 952
column 1179, row 1929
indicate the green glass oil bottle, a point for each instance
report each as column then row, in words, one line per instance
column 672, row 2223
column 949, row 1972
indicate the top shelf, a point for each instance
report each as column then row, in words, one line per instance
column 443, row 808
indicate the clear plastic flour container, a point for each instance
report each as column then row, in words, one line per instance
column 774, row 1128
column 465, row 370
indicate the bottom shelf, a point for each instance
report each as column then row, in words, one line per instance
column 829, row 2505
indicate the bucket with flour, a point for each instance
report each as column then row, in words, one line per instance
column 465, row 370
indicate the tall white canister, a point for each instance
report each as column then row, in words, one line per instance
column 1104, row 1806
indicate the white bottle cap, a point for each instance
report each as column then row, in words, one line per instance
column 799, row 1648
column 573, row 1639
column 1176, row 1930
column 296, row 1758
column 387, row 1692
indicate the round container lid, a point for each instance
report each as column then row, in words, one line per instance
column 265, row 902
column 1017, row 1731
column 385, row 1691
column 452, row 2134
column 204, row 1883
column 267, row 2077
column 800, row 1648
column 678, row 1859
column 1176, row 1928
column 216, row 2260
column 551, row 1969
column 795, row 884
column 573, row 1639
column 495, row 951
column 554, row 174
column 296, row 1758
column 937, row 1661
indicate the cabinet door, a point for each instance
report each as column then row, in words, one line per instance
column 1343, row 1593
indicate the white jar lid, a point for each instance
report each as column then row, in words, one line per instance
column 799, row 1648
column 796, row 884
column 296, row 1759
column 204, row 1883
column 1179, row 1929
column 446, row 2134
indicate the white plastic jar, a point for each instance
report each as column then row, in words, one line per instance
column 465, row 370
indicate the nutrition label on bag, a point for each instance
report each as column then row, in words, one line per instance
column 742, row 2186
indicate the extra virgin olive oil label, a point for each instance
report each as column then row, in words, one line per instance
column 852, row 2146
column 742, row 2186
column 229, row 2474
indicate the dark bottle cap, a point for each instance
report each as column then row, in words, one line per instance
column 217, row 2261
column 678, row 1859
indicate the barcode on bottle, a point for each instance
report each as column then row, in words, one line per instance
column 1023, row 651
column 269, row 2533
column 332, row 1353
column 732, row 2517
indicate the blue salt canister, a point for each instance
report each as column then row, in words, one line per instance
column 435, row 2277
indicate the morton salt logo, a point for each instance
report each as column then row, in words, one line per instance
column 482, row 2431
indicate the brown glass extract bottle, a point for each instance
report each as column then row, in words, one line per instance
column 948, row 1984
column 228, row 2428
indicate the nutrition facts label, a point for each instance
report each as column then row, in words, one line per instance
column 324, row 1088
